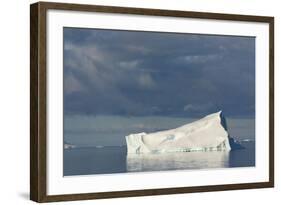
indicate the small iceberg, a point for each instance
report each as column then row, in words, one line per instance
column 67, row 145
column 207, row 134
column 99, row 146
column 247, row 140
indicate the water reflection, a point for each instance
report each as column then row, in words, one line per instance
column 176, row 161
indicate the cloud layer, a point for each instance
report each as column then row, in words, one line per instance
column 129, row 73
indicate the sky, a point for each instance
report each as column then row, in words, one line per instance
column 129, row 73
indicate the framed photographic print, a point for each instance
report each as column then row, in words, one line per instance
column 134, row 102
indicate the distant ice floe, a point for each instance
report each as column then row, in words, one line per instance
column 207, row 134
column 247, row 140
column 68, row 145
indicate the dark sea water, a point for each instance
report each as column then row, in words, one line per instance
column 114, row 159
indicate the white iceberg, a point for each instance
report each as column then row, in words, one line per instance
column 67, row 145
column 207, row 134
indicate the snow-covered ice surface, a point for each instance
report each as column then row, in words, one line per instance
column 207, row 134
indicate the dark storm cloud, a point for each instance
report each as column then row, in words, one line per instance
column 146, row 73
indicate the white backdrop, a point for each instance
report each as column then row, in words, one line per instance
column 14, row 104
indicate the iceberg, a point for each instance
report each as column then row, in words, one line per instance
column 206, row 134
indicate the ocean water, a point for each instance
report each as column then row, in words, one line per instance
column 114, row 159
column 100, row 146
